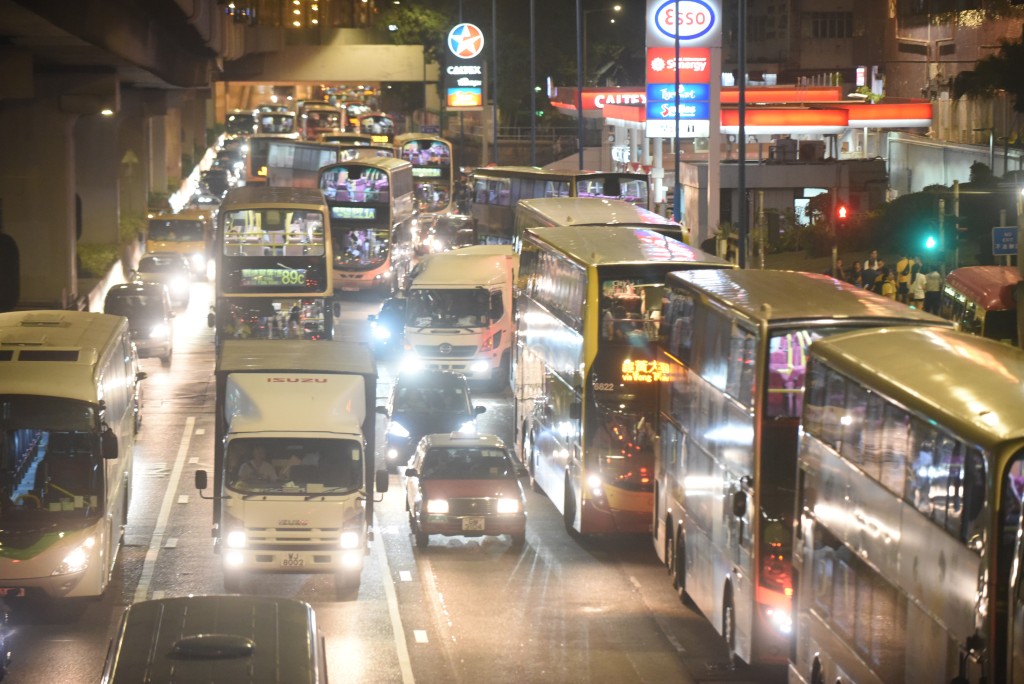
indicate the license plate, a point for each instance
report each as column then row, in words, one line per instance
column 349, row 289
column 292, row 563
column 12, row 591
column 473, row 524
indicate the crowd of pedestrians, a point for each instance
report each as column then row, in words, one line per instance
column 909, row 280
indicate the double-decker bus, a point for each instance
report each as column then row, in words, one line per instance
column 585, row 376
column 981, row 300
column 496, row 190
column 370, row 201
column 591, row 211
column 240, row 123
column 431, row 159
column 379, row 126
column 353, row 109
column 733, row 354
column 273, row 265
column 909, row 497
column 258, row 156
column 69, row 401
column 188, row 232
column 277, row 123
column 316, row 118
column 297, row 163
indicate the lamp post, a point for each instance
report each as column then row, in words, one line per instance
column 581, row 39
column 586, row 14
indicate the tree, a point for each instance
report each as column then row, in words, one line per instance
column 996, row 72
column 416, row 25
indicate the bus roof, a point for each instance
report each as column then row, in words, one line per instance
column 60, row 347
column 536, row 171
column 991, row 287
column 408, row 137
column 261, row 195
column 972, row 383
column 388, row 164
column 592, row 211
column 782, row 296
column 612, row 245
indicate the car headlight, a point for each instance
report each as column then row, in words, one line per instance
column 437, row 506
column 508, row 505
column 179, row 285
column 159, row 331
column 350, row 540
column 77, row 560
column 411, row 362
column 380, row 333
column 396, row 429
column 780, row 619
column 468, row 428
column 198, row 260
column 236, row 539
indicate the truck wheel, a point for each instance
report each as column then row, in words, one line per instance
column 346, row 586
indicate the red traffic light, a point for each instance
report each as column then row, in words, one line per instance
column 841, row 212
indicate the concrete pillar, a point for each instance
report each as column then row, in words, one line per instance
column 174, row 137
column 645, row 147
column 97, row 170
column 37, row 198
column 133, row 153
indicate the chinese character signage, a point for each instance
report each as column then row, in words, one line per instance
column 464, row 70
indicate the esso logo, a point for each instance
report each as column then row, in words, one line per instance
column 685, row 19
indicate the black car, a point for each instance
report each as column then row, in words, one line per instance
column 425, row 402
column 216, row 181
column 386, row 326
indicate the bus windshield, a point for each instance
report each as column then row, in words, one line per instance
column 274, row 232
column 355, row 183
column 787, row 368
column 277, row 122
column 360, row 247
column 613, row 187
column 176, row 230
column 294, row 466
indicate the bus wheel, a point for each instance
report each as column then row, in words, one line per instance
column 729, row 625
column 679, row 570
column 569, row 516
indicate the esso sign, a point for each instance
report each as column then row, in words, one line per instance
column 685, row 19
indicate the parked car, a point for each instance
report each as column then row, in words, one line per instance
column 147, row 306
column 386, row 326
column 171, row 269
column 464, row 485
column 422, row 402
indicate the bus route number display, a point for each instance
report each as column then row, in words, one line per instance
column 273, row 277
column 361, row 213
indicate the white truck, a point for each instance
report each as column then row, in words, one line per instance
column 459, row 312
column 293, row 476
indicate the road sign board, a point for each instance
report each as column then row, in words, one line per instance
column 1004, row 241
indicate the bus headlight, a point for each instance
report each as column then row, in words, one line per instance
column 508, row 505
column 236, row 539
column 780, row 620
column 595, row 484
column 350, row 540
column 437, row 506
column 77, row 560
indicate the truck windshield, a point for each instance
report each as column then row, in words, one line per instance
column 294, row 466
column 50, row 468
column 428, row 307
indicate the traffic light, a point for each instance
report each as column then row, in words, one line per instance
column 930, row 242
column 842, row 213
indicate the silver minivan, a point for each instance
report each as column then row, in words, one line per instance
column 230, row 639
column 147, row 306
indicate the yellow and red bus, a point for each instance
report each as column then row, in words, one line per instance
column 431, row 159
column 981, row 300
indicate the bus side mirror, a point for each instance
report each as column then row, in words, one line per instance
column 382, row 481
column 201, row 482
column 739, row 504
column 575, row 410
column 108, row 443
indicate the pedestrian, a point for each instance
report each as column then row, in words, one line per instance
column 837, row 271
column 888, row 283
column 856, row 275
column 872, row 267
column 932, row 289
column 918, row 282
column 904, row 265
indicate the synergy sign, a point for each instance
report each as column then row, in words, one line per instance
column 464, row 70
column 680, row 35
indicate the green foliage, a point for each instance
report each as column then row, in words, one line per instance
column 95, row 260
column 869, row 95
column 996, row 72
column 417, row 25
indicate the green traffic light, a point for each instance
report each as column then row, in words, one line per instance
column 930, row 242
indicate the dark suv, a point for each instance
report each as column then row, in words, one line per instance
column 425, row 402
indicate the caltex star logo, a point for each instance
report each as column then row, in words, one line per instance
column 465, row 41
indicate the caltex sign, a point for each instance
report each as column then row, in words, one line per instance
column 464, row 68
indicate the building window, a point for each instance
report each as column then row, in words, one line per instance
column 832, row 24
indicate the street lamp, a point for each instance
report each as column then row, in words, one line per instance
column 581, row 39
column 586, row 13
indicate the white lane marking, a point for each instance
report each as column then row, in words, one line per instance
column 149, row 566
column 171, row 543
column 397, row 629
column 200, row 431
column 183, row 498
column 158, row 594
column 193, row 461
column 405, row 575
column 420, row 636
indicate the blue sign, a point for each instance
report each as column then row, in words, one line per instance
column 688, row 111
column 1004, row 241
column 688, row 92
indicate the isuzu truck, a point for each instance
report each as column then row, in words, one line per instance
column 293, row 474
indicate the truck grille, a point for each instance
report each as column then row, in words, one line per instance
column 433, row 351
